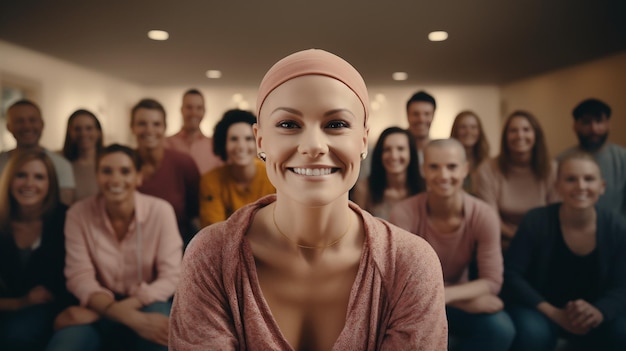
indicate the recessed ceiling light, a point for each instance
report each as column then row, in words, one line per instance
column 400, row 76
column 158, row 35
column 438, row 36
column 214, row 74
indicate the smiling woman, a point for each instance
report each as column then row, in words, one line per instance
column 305, row 268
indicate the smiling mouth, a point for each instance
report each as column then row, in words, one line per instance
column 313, row 171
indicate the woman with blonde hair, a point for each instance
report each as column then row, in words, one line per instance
column 306, row 268
column 32, row 284
column 468, row 129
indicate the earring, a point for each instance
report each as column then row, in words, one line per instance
column 363, row 155
column 262, row 156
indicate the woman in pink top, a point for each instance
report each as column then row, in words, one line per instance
column 123, row 258
column 521, row 177
column 305, row 269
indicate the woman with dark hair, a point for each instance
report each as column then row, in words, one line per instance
column 394, row 175
column 306, row 269
column 83, row 142
column 468, row 129
column 166, row 173
column 521, row 177
column 123, row 259
column 242, row 179
column 565, row 272
column 32, row 254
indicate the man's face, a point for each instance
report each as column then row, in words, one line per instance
column 420, row 116
column 192, row 111
column 592, row 131
column 26, row 125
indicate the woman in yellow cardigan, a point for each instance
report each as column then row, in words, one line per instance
column 242, row 179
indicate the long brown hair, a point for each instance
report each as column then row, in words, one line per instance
column 539, row 160
column 480, row 150
column 70, row 148
column 8, row 205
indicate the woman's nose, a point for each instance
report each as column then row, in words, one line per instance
column 313, row 143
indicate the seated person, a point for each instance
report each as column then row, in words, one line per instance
column 462, row 230
column 32, row 284
column 306, row 269
column 123, row 259
column 242, row 179
column 566, row 268
column 394, row 175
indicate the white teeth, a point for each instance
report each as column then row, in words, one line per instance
column 116, row 190
column 312, row 171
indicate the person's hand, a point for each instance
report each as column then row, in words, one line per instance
column 37, row 295
column 482, row 304
column 583, row 314
column 75, row 315
column 152, row 326
column 560, row 317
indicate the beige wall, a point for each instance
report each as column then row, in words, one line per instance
column 553, row 96
column 63, row 87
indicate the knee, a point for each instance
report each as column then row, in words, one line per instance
column 79, row 337
column 501, row 328
column 533, row 331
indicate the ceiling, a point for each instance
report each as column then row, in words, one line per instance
column 490, row 41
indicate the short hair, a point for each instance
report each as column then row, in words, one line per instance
column 193, row 91
column 443, row 143
column 149, row 104
column 377, row 180
column 70, row 147
column 421, row 96
column 577, row 155
column 592, row 107
column 8, row 204
column 480, row 150
column 24, row 102
column 220, row 133
column 114, row 148
column 539, row 162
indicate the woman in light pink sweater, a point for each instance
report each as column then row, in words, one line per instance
column 305, row 268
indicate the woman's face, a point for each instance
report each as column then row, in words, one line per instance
column 117, row 177
column 396, row 154
column 240, row 146
column 30, row 185
column 468, row 131
column 149, row 128
column 312, row 131
column 84, row 132
column 520, row 135
column 579, row 183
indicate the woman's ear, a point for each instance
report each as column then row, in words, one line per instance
column 257, row 136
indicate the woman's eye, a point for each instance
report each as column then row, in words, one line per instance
column 287, row 125
column 338, row 124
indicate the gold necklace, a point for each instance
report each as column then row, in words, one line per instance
column 334, row 242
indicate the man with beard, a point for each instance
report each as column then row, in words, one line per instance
column 592, row 119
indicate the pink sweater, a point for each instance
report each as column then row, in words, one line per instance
column 397, row 300
column 96, row 261
column 478, row 235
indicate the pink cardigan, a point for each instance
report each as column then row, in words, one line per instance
column 478, row 235
column 97, row 262
column 397, row 300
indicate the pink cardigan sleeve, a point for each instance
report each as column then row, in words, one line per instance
column 168, row 256
column 79, row 269
column 418, row 320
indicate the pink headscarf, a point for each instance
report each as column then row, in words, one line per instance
column 312, row 62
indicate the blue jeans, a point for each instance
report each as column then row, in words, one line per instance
column 485, row 332
column 27, row 329
column 106, row 334
column 535, row 331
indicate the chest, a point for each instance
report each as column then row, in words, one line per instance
column 309, row 304
column 26, row 235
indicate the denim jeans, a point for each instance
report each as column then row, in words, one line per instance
column 535, row 331
column 105, row 334
column 485, row 332
column 27, row 329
